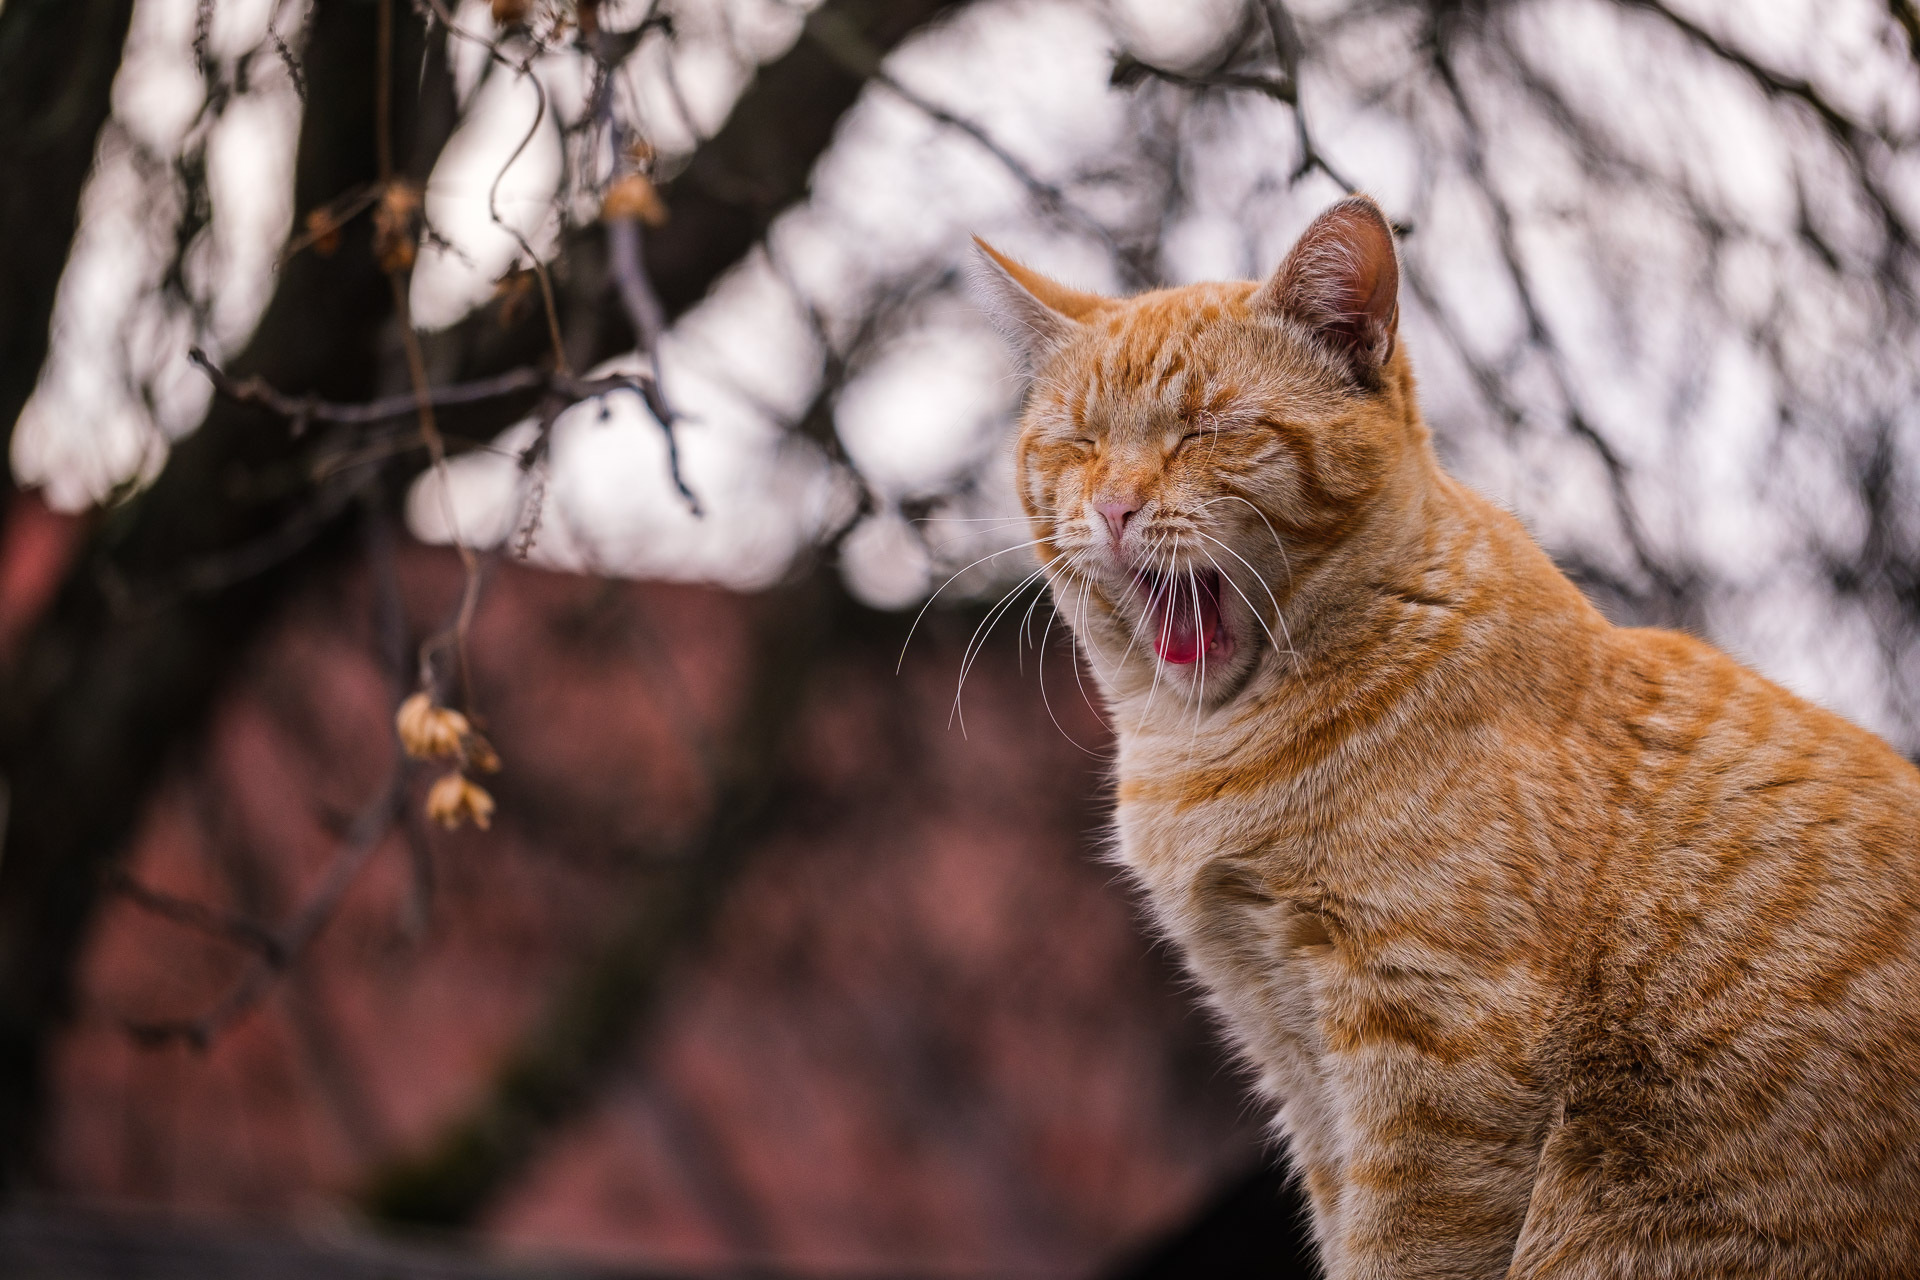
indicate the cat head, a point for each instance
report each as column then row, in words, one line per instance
column 1187, row 456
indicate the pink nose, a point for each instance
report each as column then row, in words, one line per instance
column 1117, row 514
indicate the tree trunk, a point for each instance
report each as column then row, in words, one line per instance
column 171, row 590
column 141, row 635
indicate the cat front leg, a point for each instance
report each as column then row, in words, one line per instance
column 1442, row 1149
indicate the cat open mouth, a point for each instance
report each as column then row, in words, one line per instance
column 1183, row 613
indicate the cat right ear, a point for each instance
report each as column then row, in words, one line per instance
column 1342, row 281
column 1037, row 315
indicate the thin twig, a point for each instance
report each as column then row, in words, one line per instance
column 1908, row 17
column 627, row 263
column 383, row 92
column 1130, row 71
column 437, row 453
column 1541, row 337
column 1856, row 141
column 236, row 929
column 644, row 312
column 329, row 218
column 1289, row 49
column 300, row 410
column 289, row 944
column 841, row 40
column 524, row 69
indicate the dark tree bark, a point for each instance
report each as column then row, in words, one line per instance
column 758, row 163
column 176, row 583
column 51, row 110
column 142, row 633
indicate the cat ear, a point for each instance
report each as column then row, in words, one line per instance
column 1037, row 315
column 1342, row 280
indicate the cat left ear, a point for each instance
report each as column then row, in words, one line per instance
column 1037, row 315
column 1342, row 280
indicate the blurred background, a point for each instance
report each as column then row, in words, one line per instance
column 529, row 742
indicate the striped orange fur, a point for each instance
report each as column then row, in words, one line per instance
column 1561, row 949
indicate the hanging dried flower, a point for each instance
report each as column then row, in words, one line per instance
column 454, row 800
column 480, row 755
column 632, row 196
column 429, row 732
column 323, row 231
column 396, row 226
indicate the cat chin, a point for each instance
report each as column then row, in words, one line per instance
column 1223, row 672
column 1228, row 665
column 1120, row 632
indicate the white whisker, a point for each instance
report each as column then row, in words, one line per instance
column 975, row 533
column 1278, row 545
column 1200, row 685
column 1166, row 627
column 1047, row 702
column 977, row 643
column 1228, row 579
column 1031, row 542
column 1086, row 589
column 1278, row 616
column 1026, row 628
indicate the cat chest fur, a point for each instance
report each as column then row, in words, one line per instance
column 1261, row 955
column 1350, row 974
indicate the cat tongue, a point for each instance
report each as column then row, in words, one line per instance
column 1179, row 635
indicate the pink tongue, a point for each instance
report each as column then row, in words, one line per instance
column 1178, row 636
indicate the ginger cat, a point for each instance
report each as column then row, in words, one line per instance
column 1562, row 949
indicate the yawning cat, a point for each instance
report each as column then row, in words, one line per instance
column 1562, row 949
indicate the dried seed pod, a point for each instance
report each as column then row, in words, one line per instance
column 480, row 754
column 454, row 800
column 323, row 231
column 632, row 196
column 396, row 226
column 429, row 732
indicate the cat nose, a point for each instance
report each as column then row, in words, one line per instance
column 1117, row 514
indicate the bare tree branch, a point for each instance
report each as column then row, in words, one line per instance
column 236, row 929
column 1130, row 71
column 1671, row 581
column 1907, row 15
column 299, row 411
column 289, row 943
